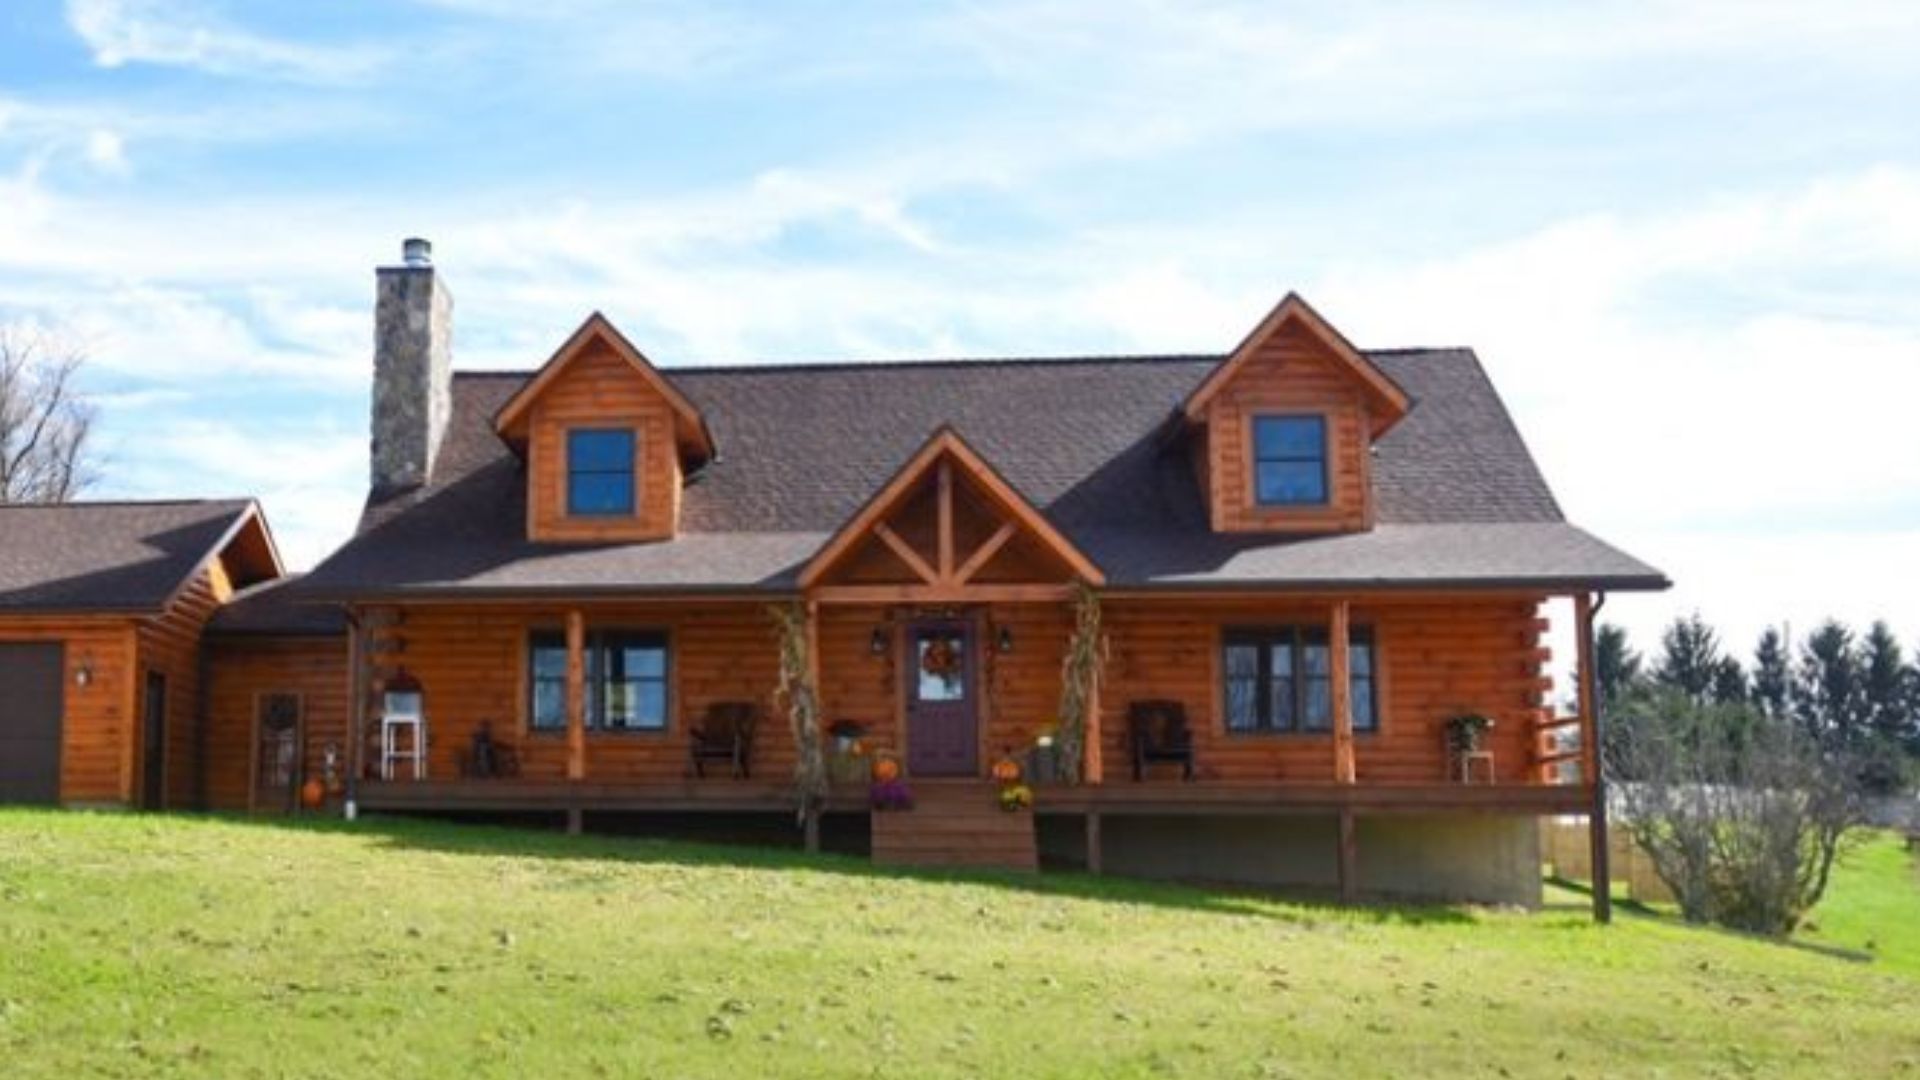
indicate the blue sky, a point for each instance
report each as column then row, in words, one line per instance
column 1684, row 237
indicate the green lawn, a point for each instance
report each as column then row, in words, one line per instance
column 144, row 946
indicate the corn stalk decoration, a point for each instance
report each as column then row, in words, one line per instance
column 801, row 699
column 1079, row 678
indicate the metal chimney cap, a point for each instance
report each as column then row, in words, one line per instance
column 416, row 252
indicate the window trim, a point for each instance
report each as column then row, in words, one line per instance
column 632, row 473
column 1324, row 460
column 1296, row 635
column 594, row 724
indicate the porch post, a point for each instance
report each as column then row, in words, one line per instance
column 1337, row 635
column 1591, row 769
column 1093, row 767
column 812, row 824
column 1348, row 859
column 576, row 695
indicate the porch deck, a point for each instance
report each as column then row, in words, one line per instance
column 1151, row 797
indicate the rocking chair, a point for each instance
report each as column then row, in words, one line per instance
column 1157, row 731
column 726, row 734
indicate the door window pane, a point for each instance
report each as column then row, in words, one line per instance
column 942, row 663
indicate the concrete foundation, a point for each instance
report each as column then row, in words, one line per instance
column 1478, row 858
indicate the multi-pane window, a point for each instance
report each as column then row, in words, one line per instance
column 600, row 471
column 1290, row 460
column 1281, row 679
column 626, row 681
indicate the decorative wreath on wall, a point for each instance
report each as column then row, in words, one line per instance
column 940, row 658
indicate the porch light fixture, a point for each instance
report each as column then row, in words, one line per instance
column 1004, row 642
column 877, row 644
column 83, row 673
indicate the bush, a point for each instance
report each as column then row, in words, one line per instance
column 1741, row 814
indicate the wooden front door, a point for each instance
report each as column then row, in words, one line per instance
column 943, row 713
column 153, row 745
column 276, row 769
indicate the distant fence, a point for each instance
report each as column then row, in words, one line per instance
column 1565, row 845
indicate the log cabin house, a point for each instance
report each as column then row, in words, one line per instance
column 1317, row 556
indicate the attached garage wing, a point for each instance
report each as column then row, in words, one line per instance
column 31, row 690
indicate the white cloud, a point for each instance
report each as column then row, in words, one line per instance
column 107, row 151
column 121, row 32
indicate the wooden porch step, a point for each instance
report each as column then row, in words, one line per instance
column 955, row 824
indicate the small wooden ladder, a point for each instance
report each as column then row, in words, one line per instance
column 955, row 823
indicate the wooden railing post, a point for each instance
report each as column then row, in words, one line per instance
column 576, row 695
column 1338, row 633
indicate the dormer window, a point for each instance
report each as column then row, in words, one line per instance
column 600, row 472
column 1290, row 460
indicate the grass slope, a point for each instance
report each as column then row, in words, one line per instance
column 144, row 946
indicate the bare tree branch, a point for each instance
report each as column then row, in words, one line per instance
column 45, row 423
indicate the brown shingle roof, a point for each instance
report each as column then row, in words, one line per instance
column 801, row 447
column 272, row 609
column 107, row 556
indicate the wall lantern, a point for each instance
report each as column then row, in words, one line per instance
column 1004, row 642
column 877, row 644
column 83, row 673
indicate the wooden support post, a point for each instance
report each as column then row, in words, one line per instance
column 1093, row 764
column 811, row 810
column 576, row 821
column 1093, row 842
column 1348, row 859
column 356, row 747
column 946, row 521
column 1338, row 633
column 813, row 832
column 1592, row 768
column 576, row 696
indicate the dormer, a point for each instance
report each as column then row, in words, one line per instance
column 607, row 439
column 1287, row 424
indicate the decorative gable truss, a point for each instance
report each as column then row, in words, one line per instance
column 1301, row 382
column 599, row 385
column 947, row 528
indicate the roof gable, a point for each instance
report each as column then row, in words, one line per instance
column 126, row 558
column 943, row 460
column 1389, row 401
column 690, row 427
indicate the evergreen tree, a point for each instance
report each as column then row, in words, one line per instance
column 1616, row 666
column 1729, row 682
column 1884, row 678
column 1772, row 674
column 1829, row 698
column 1689, row 658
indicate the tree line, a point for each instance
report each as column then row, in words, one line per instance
column 1850, row 693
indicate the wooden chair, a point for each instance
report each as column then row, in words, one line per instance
column 725, row 734
column 1157, row 731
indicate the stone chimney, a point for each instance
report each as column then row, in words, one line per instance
column 412, row 369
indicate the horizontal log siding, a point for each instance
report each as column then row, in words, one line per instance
column 240, row 672
column 1436, row 659
column 96, row 740
column 472, row 662
column 170, row 644
column 600, row 390
column 1291, row 374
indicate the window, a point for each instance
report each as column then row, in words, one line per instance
column 1290, row 460
column 626, row 681
column 1282, row 680
column 600, row 472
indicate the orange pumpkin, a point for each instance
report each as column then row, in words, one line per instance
column 313, row 794
column 885, row 769
column 1007, row 771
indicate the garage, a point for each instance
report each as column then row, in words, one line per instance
column 30, row 712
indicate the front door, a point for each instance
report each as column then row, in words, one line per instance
column 943, row 727
column 153, row 745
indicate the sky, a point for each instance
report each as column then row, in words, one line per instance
column 1684, row 238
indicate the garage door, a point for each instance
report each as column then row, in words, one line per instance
column 30, row 688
